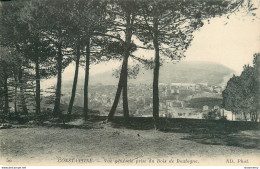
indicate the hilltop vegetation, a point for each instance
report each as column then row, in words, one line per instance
column 182, row 72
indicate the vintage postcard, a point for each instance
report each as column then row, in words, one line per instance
column 129, row 83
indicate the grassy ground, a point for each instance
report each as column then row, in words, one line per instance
column 98, row 141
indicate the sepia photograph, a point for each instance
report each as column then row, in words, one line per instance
column 129, row 83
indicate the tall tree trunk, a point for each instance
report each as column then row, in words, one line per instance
column 38, row 87
column 258, row 87
column 1, row 104
column 122, row 84
column 21, row 84
column 118, row 93
column 56, row 110
column 128, row 36
column 23, row 101
column 74, row 87
column 245, row 116
column 15, row 94
column 86, row 79
column 125, row 97
column 156, row 73
column 254, row 116
column 6, row 96
column 251, row 116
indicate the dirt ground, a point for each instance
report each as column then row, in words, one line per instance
column 44, row 145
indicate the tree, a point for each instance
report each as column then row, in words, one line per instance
column 56, row 31
column 4, row 62
column 77, row 48
column 126, row 12
column 169, row 25
column 22, row 32
column 165, row 24
column 241, row 93
column 13, row 36
column 38, row 49
column 9, row 62
column 88, row 19
column 256, row 63
column 13, row 63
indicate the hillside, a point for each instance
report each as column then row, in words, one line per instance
column 182, row 72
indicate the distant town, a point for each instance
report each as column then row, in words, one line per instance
column 177, row 100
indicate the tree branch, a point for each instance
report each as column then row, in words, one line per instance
column 111, row 36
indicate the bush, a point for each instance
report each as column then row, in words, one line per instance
column 212, row 115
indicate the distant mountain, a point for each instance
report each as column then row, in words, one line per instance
column 182, row 72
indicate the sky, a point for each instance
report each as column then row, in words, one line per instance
column 231, row 42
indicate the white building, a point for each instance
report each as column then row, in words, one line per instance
column 205, row 108
column 228, row 114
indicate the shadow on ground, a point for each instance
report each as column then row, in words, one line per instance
column 212, row 132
